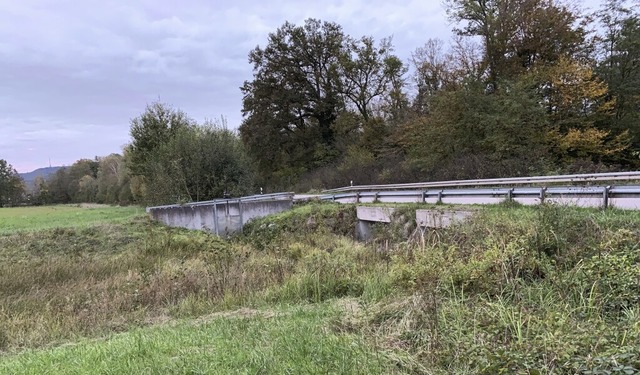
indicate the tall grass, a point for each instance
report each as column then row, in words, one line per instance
column 548, row 289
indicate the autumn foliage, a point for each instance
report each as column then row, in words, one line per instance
column 524, row 88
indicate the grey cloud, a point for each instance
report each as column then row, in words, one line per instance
column 74, row 73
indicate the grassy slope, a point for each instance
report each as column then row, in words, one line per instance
column 514, row 290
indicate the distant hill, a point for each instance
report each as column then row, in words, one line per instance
column 30, row 177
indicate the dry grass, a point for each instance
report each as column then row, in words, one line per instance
column 62, row 283
column 514, row 290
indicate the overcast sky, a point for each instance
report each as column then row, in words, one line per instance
column 74, row 73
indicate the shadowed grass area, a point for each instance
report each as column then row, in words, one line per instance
column 62, row 216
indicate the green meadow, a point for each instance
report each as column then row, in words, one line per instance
column 63, row 216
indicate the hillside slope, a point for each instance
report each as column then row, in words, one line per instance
column 30, row 177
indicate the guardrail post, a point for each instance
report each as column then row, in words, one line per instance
column 375, row 197
column 605, row 197
column 543, row 194
column 510, row 195
column 424, row 196
column 358, row 197
column 440, row 193
column 215, row 214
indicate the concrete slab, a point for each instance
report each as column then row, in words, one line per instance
column 375, row 214
column 440, row 218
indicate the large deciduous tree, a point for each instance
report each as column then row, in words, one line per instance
column 369, row 73
column 12, row 187
column 578, row 107
column 294, row 97
column 82, row 176
column 113, row 181
column 76, row 183
column 306, row 79
column 435, row 70
column 619, row 68
column 58, row 187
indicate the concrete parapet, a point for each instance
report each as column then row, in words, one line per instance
column 222, row 217
column 375, row 214
column 440, row 218
column 426, row 218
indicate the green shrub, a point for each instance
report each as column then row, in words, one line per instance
column 306, row 220
column 615, row 271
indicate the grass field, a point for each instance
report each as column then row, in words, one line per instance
column 523, row 290
column 73, row 278
column 62, row 216
column 286, row 341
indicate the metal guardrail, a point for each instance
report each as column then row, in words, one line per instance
column 604, row 194
column 251, row 198
column 572, row 178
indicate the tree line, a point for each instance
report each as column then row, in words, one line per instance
column 11, row 185
column 171, row 159
column 526, row 87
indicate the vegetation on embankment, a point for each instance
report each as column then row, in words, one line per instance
column 547, row 289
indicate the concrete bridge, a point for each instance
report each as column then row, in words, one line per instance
column 227, row 216
column 224, row 217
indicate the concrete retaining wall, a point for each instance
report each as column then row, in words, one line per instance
column 440, row 218
column 222, row 217
column 375, row 214
column 426, row 218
